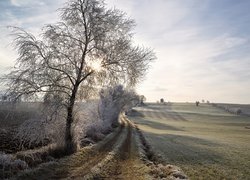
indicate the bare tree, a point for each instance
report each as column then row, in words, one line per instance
column 91, row 45
column 162, row 100
column 142, row 99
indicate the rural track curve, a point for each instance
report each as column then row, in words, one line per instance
column 118, row 156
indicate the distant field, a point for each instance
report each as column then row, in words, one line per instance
column 245, row 108
column 12, row 115
column 205, row 141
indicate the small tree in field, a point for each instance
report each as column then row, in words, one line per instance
column 142, row 99
column 90, row 45
column 162, row 100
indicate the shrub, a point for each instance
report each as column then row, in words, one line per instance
column 238, row 111
column 95, row 133
column 47, row 128
column 86, row 118
column 9, row 165
column 113, row 101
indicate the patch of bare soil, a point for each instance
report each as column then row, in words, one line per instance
column 124, row 154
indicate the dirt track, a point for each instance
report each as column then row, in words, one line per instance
column 118, row 156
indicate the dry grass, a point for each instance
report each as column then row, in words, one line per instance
column 206, row 142
column 12, row 115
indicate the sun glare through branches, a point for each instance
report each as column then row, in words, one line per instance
column 96, row 65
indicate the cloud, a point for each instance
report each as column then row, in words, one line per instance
column 28, row 14
column 26, row 3
column 160, row 89
column 195, row 55
column 202, row 46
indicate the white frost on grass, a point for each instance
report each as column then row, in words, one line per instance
column 46, row 127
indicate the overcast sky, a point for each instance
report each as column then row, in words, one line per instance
column 202, row 46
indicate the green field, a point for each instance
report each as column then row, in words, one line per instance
column 206, row 142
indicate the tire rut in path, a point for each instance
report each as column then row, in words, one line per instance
column 125, row 163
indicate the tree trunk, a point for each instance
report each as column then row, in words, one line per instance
column 70, row 146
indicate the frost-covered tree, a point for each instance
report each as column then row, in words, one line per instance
column 113, row 101
column 142, row 99
column 90, row 45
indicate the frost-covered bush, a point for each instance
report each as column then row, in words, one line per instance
column 9, row 165
column 96, row 118
column 37, row 156
column 113, row 101
column 33, row 132
column 109, row 106
column 5, row 160
column 95, row 132
column 88, row 123
column 46, row 128
column 19, row 165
